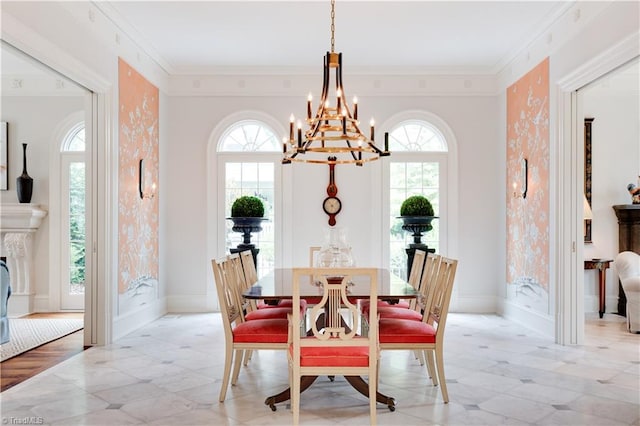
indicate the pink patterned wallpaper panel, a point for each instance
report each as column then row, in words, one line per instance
column 528, row 218
column 137, row 218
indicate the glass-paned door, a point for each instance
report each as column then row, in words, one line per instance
column 256, row 179
column 417, row 167
column 73, row 207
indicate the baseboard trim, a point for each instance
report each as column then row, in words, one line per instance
column 474, row 305
column 536, row 321
column 190, row 304
column 131, row 321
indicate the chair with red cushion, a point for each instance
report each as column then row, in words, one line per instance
column 251, row 277
column 250, row 312
column 242, row 335
column 333, row 348
column 426, row 335
column 414, row 279
column 417, row 305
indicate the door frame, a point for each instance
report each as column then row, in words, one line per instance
column 569, row 275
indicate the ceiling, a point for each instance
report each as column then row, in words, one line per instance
column 208, row 37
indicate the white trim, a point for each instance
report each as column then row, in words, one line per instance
column 533, row 320
column 129, row 322
column 475, row 305
column 569, row 275
column 191, row 303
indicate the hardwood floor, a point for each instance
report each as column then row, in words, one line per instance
column 19, row 368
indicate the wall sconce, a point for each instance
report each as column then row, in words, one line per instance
column 524, row 177
column 141, row 183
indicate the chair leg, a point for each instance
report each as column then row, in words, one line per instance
column 228, row 360
column 419, row 356
column 428, row 354
column 247, row 356
column 295, row 398
column 440, row 366
column 373, row 388
column 236, row 367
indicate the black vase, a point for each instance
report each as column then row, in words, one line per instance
column 24, row 182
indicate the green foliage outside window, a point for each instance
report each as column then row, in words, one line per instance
column 77, row 228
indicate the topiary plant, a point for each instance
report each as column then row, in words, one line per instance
column 247, row 206
column 416, row 205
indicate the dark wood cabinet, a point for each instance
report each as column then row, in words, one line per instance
column 628, row 240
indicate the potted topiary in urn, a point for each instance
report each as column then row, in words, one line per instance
column 417, row 214
column 247, row 214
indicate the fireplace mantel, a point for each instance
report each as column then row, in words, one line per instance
column 18, row 224
column 16, row 217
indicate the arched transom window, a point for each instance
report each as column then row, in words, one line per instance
column 415, row 135
column 249, row 136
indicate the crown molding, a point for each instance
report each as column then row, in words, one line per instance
column 360, row 85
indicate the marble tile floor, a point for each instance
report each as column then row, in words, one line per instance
column 169, row 373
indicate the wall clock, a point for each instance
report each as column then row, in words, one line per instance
column 332, row 204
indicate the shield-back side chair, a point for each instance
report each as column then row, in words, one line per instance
column 334, row 349
column 242, row 335
column 426, row 335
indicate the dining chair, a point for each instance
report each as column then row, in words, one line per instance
column 426, row 335
column 415, row 276
column 242, row 335
column 333, row 348
column 313, row 253
column 251, row 277
column 421, row 303
column 250, row 312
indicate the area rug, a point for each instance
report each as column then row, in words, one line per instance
column 26, row 334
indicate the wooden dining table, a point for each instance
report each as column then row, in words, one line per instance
column 278, row 285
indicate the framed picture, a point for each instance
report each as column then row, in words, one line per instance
column 4, row 162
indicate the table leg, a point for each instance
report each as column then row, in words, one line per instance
column 361, row 386
column 602, row 286
column 285, row 395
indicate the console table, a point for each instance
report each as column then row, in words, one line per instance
column 601, row 265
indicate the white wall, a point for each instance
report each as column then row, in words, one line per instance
column 615, row 164
column 34, row 120
column 605, row 25
column 82, row 44
column 77, row 40
column 472, row 119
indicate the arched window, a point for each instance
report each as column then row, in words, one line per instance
column 416, row 167
column 248, row 155
column 249, row 136
column 73, row 178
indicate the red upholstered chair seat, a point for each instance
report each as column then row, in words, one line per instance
column 272, row 313
column 284, row 303
column 405, row 331
column 399, row 313
column 262, row 331
column 364, row 305
column 343, row 356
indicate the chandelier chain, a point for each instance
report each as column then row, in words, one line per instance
column 333, row 25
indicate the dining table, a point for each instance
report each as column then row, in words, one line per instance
column 278, row 285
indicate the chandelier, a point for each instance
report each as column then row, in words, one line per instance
column 333, row 135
